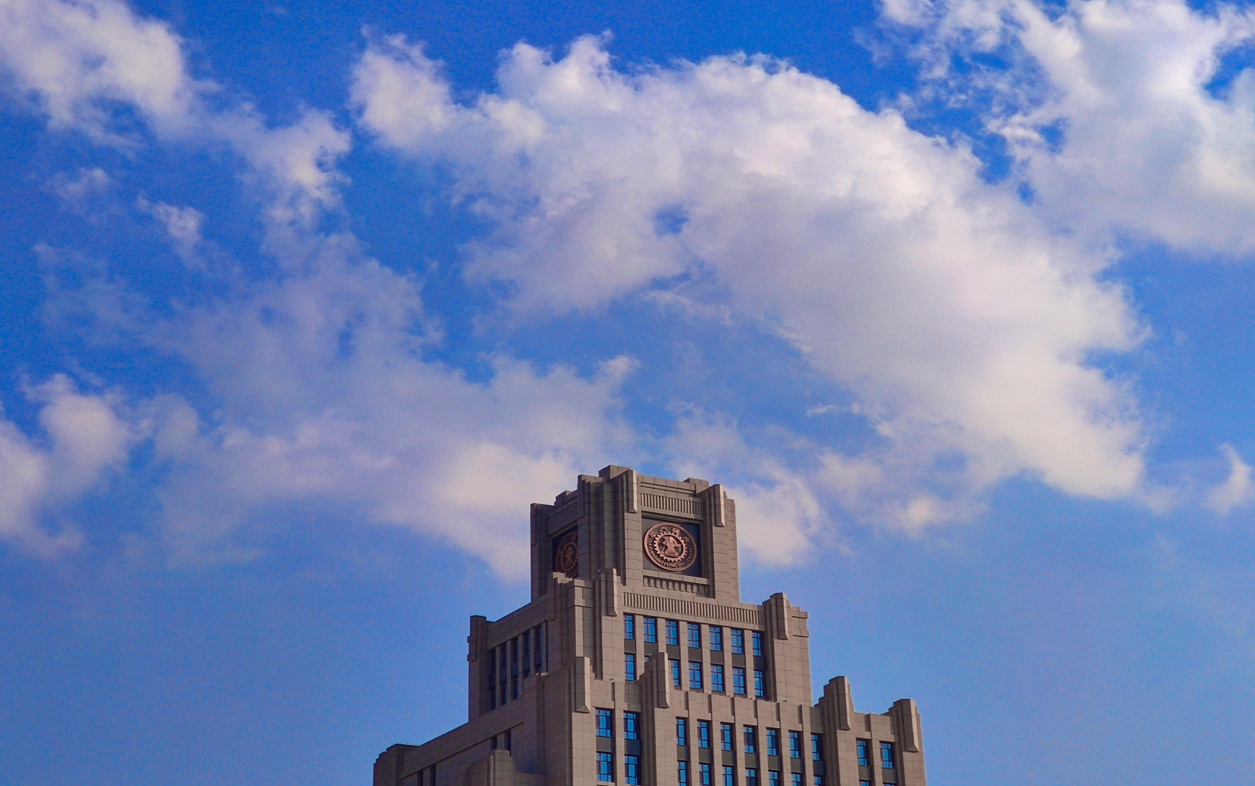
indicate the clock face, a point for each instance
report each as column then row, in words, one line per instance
column 670, row 547
column 566, row 558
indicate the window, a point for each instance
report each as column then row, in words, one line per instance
column 760, row 683
column 527, row 654
column 716, row 638
column 716, row 678
column 492, row 672
column 751, row 739
column 864, row 755
column 629, row 626
column 886, row 755
column 817, row 747
column 758, row 644
column 797, row 779
column 675, row 673
column 703, row 734
column 738, row 641
column 738, row 680
column 773, row 742
column 729, row 776
column 605, row 767
column 695, row 635
column 632, row 769
column 605, row 723
column 539, row 642
column 673, row 633
column 819, row 780
column 631, row 725
column 681, row 731
column 864, row 783
column 651, row 630
column 773, row 777
column 629, row 665
column 795, row 744
column 751, row 776
column 725, row 735
column 705, row 774
column 695, row 675
column 683, row 773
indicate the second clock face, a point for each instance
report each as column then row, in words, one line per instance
column 670, row 547
column 566, row 557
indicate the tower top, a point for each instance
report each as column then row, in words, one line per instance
column 655, row 534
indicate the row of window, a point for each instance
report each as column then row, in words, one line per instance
column 694, row 633
column 727, row 735
column 513, row 660
column 705, row 772
column 697, row 681
column 727, row 738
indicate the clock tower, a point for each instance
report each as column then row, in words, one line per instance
column 635, row 662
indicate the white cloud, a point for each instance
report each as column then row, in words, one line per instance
column 96, row 67
column 1110, row 108
column 83, row 437
column 963, row 325
column 1237, row 489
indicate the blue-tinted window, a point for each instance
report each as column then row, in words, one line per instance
column 773, row 777
column 797, row 779
column 729, row 776
column 864, row 755
column 864, row 783
column 605, row 767
column 738, row 680
column 703, row 734
column 716, row 678
column 817, row 747
column 632, row 769
column 605, row 723
column 886, row 755
column 675, row 673
column 629, row 665
column 819, row 780
column 683, row 773
column 738, row 641
column 725, row 735
column 629, row 626
column 651, row 630
column 760, row 683
column 773, row 742
column 795, row 744
column 681, row 731
column 695, row 675
column 751, row 776
column 716, row 638
column 631, row 725
column 751, row 739
column 705, row 774
column 758, row 644
column 673, row 633
column 695, row 635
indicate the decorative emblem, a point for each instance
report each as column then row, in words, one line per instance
column 670, row 547
column 566, row 559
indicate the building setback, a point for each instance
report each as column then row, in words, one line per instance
column 637, row 663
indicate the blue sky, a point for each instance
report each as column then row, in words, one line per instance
column 955, row 298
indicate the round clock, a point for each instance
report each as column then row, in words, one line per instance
column 670, row 547
column 566, row 558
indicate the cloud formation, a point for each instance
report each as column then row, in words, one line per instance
column 1123, row 115
column 967, row 329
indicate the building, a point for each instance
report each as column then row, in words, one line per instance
column 637, row 663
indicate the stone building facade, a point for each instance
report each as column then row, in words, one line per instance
column 637, row 663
